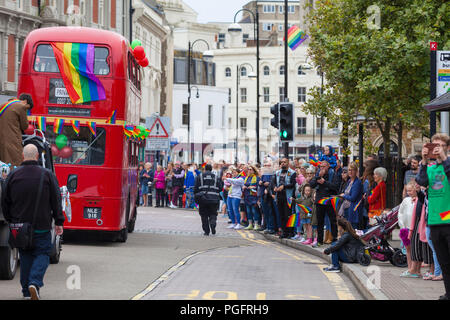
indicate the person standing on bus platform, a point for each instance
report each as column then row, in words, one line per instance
column 207, row 194
column 19, row 203
column 177, row 184
column 13, row 122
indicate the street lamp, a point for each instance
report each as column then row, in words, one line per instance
column 207, row 56
column 238, row 76
column 235, row 27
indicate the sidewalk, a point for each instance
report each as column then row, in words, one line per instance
column 391, row 285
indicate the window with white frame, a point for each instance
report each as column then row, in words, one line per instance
column 301, row 92
column 267, row 26
column 184, row 115
column 221, row 37
column 223, row 116
column 227, row 72
column 101, row 12
column 243, row 72
column 244, row 95
column 229, row 95
column 280, row 9
column 280, row 27
column 300, row 71
column 301, row 125
column 291, row 9
column 266, row 91
column 281, row 70
column 266, row 71
column 281, row 93
column 210, row 115
column 245, row 37
column 269, row 8
column 243, row 123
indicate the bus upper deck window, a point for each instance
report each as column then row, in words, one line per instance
column 101, row 66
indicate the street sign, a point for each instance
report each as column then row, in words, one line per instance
column 157, row 144
column 443, row 72
column 157, row 130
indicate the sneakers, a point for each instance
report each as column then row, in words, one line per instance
column 250, row 227
column 295, row 237
column 307, row 242
column 317, row 245
column 258, row 227
column 172, row 206
column 34, row 292
column 332, row 269
column 238, row 227
column 231, row 226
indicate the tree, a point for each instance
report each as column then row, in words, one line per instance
column 379, row 72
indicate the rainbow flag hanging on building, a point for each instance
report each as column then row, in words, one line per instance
column 112, row 118
column 76, row 126
column 295, row 37
column 6, row 106
column 42, row 123
column 76, row 65
column 93, row 128
column 58, row 126
column 293, row 221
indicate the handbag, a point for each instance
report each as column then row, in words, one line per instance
column 21, row 234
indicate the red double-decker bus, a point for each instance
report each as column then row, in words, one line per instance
column 99, row 170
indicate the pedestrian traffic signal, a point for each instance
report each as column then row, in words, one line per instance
column 275, row 111
column 286, row 121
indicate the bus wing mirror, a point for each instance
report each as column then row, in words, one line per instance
column 72, row 183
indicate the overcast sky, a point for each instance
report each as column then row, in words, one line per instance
column 216, row 10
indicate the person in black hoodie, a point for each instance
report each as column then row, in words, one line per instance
column 19, row 201
column 326, row 182
column 346, row 249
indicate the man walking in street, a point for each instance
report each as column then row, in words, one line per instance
column 435, row 175
column 327, row 183
column 13, row 122
column 21, row 203
column 207, row 195
column 284, row 185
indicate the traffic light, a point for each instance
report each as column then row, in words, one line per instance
column 275, row 111
column 286, row 121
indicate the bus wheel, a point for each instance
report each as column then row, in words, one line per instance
column 132, row 222
column 9, row 260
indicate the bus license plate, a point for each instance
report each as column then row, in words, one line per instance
column 92, row 213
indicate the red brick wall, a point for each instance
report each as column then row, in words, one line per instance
column 34, row 3
column 95, row 11
column 11, row 58
column 113, row 13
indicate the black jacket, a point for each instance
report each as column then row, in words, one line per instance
column 210, row 192
column 19, row 197
column 329, row 188
column 351, row 246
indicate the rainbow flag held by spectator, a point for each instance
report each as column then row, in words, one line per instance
column 313, row 161
column 324, row 201
column 293, row 221
column 305, row 209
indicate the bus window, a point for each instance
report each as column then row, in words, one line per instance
column 45, row 60
column 84, row 149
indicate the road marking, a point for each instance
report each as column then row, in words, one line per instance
column 230, row 295
column 261, row 296
column 336, row 281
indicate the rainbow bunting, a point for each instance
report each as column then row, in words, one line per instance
column 76, row 65
column 324, row 201
column 295, row 37
column 58, row 126
column 76, row 126
column 445, row 215
column 42, row 123
column 6, row 106
column 112, row 118
column 293, row 221
column 93, row 127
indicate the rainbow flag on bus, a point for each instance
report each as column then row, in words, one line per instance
column 58, row 126
column 93, row 127
column 112, row 118
column 42, row 123
column 76, row 65
column 76, row 126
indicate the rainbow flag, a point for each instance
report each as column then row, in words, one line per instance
column 6, row 106
column 242, row 174
column 293, row 221
column 313, row 161
column 76, row 65
column 304, row 208
column 324, row 201
column 93, row 127
column 112, row 118
column 295, row 37
column 76, row 126
column 42, row 123
column 335, row 203
column 289, row 202
column 58, row 126
column 445, row 215
column 128, row 130
column 203, row 164
column 357, row 206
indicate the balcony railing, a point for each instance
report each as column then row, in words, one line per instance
column 316, row 131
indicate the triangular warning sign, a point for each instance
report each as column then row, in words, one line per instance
column 157, row 130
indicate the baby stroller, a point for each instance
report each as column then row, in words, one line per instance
column 377, row 246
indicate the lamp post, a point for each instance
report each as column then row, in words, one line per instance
column 360, row 120
column 207, row 55
column 236, row 28
column 238, row 77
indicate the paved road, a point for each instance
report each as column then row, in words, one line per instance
column 169, row 258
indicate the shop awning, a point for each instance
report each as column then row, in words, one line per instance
column 441, row 103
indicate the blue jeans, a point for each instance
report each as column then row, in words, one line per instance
column 34, row 263
column 437, row 266
column 268, row 217
column 327, row 223
column 338, row 256
column 253, row 214
column 189, row 198
column 233, row 205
